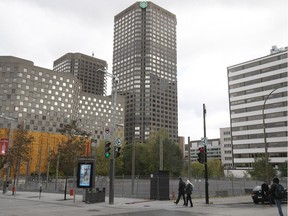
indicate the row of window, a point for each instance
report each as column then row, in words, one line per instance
column 260, row 145
column 259, row 98
column 261, row 135
column 259, row 117
column 260, row 126
column 258, row 108
column 257, row 72
column 154, row 58
column 256, row 63
column 124, row 44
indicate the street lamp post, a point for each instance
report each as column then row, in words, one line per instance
column 265, row 137
column 133, row 168
column 206, row 161
column 189, row 157
column 115, row 81
column 9, row 146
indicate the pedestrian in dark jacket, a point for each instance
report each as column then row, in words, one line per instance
column 264, row 192
column 277, row 199
column 188, row 191
column 181, row 191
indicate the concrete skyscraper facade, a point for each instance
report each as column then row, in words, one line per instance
column 45, row 100
column 86, row 69
column 258, row 109
column 145, row 61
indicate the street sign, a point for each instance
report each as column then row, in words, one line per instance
column 107, row 130
column 118, row 142
column 106, row 133
column 204, row 140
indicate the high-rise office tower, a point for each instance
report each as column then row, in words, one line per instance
column 86, row 69
column 258, row 109
column 145, row 61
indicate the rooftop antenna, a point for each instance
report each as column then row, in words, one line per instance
column 93, row 54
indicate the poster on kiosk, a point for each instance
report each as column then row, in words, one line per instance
column 85, row 175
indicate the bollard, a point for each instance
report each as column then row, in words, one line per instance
column 40, row 190
column 71, row 192
column 13, row 190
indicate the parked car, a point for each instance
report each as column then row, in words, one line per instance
column 257, row 195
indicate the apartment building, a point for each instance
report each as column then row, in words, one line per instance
column 213, row 149
column 258, row 109
column 226, row 147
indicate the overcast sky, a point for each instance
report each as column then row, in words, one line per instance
column 211, row 35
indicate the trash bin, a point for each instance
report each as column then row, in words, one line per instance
column 71, row 192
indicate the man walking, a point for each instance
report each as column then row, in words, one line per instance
column 276, row 191
column 181, row 191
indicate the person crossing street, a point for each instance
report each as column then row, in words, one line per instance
column 188, row 191
column 181, row 191
column 276, row 191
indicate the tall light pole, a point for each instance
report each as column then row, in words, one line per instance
column 206, row 161
column 9, row 146
column 115, row 81
column 133, row 168
column 161, row 153
column 265, row 137
column 189, row 158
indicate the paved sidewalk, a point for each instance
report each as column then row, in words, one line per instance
column 54, row 204
column 119, row 201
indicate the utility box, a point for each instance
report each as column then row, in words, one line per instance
column 159, row 185
column 93, row 195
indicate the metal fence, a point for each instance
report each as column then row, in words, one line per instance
column 217, row 187
column 123, row 186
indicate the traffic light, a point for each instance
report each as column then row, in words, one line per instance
column 117, row 151
column 201, row 155
column 107, row 152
